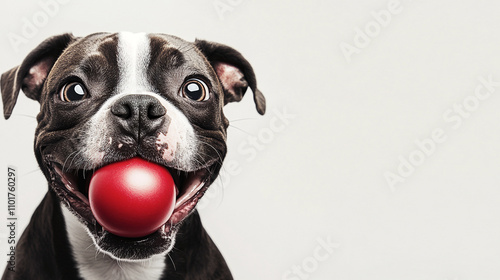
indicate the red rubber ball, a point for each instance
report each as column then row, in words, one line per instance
column 132, row 198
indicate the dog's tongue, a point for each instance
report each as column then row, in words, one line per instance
column 132, row 198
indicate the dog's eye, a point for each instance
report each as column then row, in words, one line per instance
column 73, row 92
column 195, row 89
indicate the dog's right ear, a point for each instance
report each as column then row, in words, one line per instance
column 31, row 74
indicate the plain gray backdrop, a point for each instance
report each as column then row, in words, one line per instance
column 379, row 154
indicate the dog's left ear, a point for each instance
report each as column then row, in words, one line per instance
column 31, row 74
column 234, row 71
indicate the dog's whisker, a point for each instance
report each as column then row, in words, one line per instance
column 119, row 263
column 200, row 163
column 25, row 115
column 216, row 151
column 96, row 254
column 239, row 129
column 242, row 119
column 74, row 154
column 31, row 171
column 172, row 261
column 90, row 246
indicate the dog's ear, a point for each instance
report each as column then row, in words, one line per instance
column 234, row 72
column 31, row 74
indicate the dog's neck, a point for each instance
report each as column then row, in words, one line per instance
column 95, row 265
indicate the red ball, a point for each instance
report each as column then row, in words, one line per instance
column 132, row 198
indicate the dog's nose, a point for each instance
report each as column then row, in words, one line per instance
column 139, row 114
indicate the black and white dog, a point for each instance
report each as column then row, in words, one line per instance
column 111, row 97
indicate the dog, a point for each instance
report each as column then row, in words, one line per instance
column 106, row 98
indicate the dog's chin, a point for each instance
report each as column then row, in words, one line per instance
column 71, row 185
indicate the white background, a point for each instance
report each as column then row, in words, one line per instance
column 319, row 175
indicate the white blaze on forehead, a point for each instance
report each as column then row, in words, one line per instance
column 133, row 60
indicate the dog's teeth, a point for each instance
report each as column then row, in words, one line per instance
column 191, row 186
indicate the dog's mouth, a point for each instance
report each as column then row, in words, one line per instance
column 72, row 186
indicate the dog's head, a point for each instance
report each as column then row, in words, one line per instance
column 111, row 97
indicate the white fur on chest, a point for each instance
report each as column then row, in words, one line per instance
column 95, row 265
